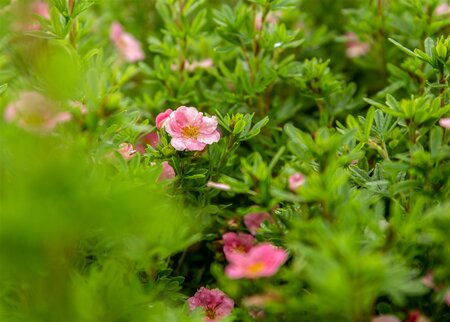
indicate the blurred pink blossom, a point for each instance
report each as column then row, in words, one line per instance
column 162, row 117
column 237, row 243
column 296, row 180
column 126, row 44
column 215, row 304
column 126, row 150
column 150, row 138
column 442, row 9
column 428, row 281
column 253, row 221
column 35, row 112
column 385, row 318
column 447, row 298
column 40, row 8
column 445, row 123
column 262, row 260
column 190, row 130
column 271, row 18
column 354, row 46
column 218, row 185
column 416, row 316
column 167, row 172
column 190, row 67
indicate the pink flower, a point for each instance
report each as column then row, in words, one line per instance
column 40, row 8
column 445, row 123
column 355, row 47
column 416, row 316
column 190, row 67
column 35, row 113
column 270, row 19
column 126, row 150
column 126, row 44
column 442, row 9
column 239, row 243
column 162, row 117
column 385, row 318
column 167, row 172
column 447, row 298
column 262, row 260
column 150, row 138
column 218, row 185
column 296, row 181
column 215, row 304
column 190, row 130
column 253, row 221
column 427, row 280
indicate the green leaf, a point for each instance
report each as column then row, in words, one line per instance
column 3, row 88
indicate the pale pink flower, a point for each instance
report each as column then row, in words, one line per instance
column 253, row 221
column 150, row 138
column 162, row 117
column 218, row 185
column 190, row 67
column 385, row 318
column 40, row 8
column 215, row 304
column 445, row 123
column 190, row 130
column 442, row 9
column 447, row 298
column 35, row 112
column 126, row 44
column 428, row 280
column 167, row 172
column 202, row 64
column 296, row 180
column 354, row 46
column 262, row 260
column 237, row 243
column 271, row 18
column 126, row 150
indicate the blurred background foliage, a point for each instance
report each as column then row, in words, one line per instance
column 86, row 235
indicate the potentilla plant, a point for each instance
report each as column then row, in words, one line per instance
column 269, row 160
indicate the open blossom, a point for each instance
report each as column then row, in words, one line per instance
column 447, row 298
column 35, row 112
column 442, row 9
column 162, row 117
column 126, row 44
column 296, row 181
column 385, row 318
column 190, row 130
column 354, row 46
column 215, row 303
column 218, row 185
column 253, row 221
column 445, row 123
column 126, row 150
column 239, row 243
column 262, row 260
column 150, row 138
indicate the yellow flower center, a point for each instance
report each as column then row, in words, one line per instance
column 190, row 131
column 255, row 268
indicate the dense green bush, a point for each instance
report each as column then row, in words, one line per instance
column 322, row 146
